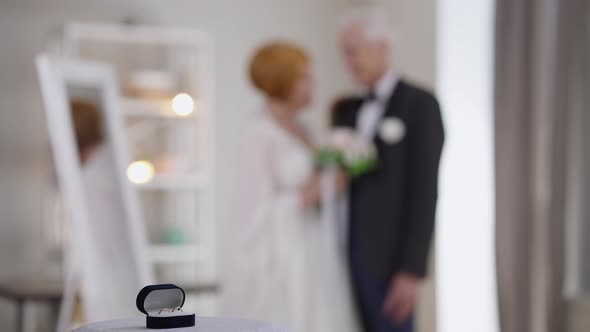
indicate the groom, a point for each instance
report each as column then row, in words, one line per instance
column 392, row 209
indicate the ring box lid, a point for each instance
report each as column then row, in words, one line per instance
column 157, row 297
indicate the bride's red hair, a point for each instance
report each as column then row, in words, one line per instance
column 276, row 67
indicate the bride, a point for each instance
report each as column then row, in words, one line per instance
column 285, row 266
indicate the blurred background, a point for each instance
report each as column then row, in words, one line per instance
column 512, row 78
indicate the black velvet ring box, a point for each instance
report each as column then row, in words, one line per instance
column 162, row 305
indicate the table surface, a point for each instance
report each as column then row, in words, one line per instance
column 203, row 324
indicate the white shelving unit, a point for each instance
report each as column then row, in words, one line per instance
column 171, row 253
column 178, row 202
column 166, row 182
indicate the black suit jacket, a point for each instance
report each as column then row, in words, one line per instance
column 392, row 208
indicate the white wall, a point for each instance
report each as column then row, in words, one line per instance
column 466, row 282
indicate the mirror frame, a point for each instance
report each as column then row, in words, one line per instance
column 55, row 75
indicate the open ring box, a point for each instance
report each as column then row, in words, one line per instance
column 162, row 305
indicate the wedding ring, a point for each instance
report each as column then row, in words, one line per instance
column 171, row 310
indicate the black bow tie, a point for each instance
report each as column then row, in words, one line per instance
column 371, row 96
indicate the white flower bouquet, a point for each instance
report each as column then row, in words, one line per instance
column 347, row 149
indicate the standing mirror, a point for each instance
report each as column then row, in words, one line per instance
column 107, row 261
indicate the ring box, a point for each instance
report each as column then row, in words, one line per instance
column 162, row 305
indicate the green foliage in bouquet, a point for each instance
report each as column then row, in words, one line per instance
column 361, row 167
column 327, row 157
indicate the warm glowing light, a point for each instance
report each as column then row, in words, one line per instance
column 183, row 104
column 141, row 171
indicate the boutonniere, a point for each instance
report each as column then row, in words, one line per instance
column 392, row 130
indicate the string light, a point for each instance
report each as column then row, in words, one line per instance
column 140, row 172
column 183, row 104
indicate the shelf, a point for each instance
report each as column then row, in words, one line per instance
column 136, row 34
column 169, row 182
column 201, row 288
column 184, row 253
column 188, row 184
column 155, row 108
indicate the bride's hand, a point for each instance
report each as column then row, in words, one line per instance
column 311, row 193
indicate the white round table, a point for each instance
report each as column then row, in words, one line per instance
column 203, row 324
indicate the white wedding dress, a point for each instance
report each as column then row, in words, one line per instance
column 286, row 265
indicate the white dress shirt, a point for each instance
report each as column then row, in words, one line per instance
column 372, row 111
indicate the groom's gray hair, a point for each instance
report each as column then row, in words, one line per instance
column 372, row 21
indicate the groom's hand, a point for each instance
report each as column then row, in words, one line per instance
column 341, row 180
column 401, row 298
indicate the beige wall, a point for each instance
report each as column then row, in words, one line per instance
column 237, row 27
column 415, row 51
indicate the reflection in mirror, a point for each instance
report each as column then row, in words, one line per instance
column 104, row 202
